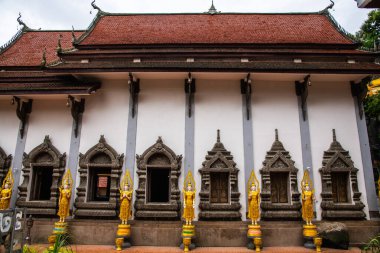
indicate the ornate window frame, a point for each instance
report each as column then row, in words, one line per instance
column 44, row 155
column 5, row 164
column 337, row 159
column 219, row 211
column 94, row 209
column 279, row 160
column 170, row 210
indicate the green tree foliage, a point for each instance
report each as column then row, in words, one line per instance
column 369, row 33
column 372, row 106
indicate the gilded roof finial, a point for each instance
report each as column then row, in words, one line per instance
column 43, row 62
column 218, row 136
column 334, row 135
column 95, row 6
column 276, row 134
column 212, row 9
column 59, row 47
column 21, row 22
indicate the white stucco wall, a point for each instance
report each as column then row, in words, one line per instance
column 53, row 118
column 218, row 105
column 106, row 113
column 330, row 105
column 9, row 125
column 274, row 106
column 161, row 112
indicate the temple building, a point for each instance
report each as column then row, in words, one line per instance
column 217, row 94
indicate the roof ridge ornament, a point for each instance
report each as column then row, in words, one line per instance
column 73, row 37
column 24, row 26
column 330, row 6
column 59, row 46
column 212, row 9
column 43, row 61
column 95, row 6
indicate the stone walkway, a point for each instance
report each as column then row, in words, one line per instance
column 145, row 249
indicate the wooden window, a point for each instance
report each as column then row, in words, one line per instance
column 158, row 185
column 279, row 187
column 340, row 187
column 219, row 187
column 41, row 184
column 100, row 184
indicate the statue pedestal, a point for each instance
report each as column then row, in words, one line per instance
column 254, row 233
column 122, row 236
column 188, row 232
column 309, row 232
column 60, row 228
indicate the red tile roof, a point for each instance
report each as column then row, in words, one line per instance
column 28, row 48
column 315, row 28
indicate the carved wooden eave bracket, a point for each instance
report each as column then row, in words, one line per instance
column 134, row 90
column 246, row 89
column 77, row 108
column 190, row 90
column 302, row 91
column 23, row 109
column 359, row 91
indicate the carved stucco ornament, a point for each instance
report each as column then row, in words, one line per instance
column 158, row 156
column 336, row 159
column 219, row 160
column 278, row 160
column 102, row 155
column 44, row 155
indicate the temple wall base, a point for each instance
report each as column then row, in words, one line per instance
column 208, row 234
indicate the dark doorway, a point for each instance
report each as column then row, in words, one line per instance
column 339, row 187
column 279, row 187
column 219, row 187
column 41, row 184
column 99, row 184
column 158, row 185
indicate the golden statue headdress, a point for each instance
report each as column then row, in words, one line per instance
column 67, row 179
column 126, row 180
column 189, row 180
column 306, row 181
column 253, row 181
column 8, row 179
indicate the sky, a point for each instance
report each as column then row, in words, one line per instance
column 62, row 14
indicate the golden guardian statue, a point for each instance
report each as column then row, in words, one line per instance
column 253, row 193
column 253, row 199
column 188, row 230
column 60, row 227
column 307, row 198
column 124, row 229
column 126, row 188
column 189, row 199
column 6, row 191
column 65, row 195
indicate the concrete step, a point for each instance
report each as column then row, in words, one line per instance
column 208, row 233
